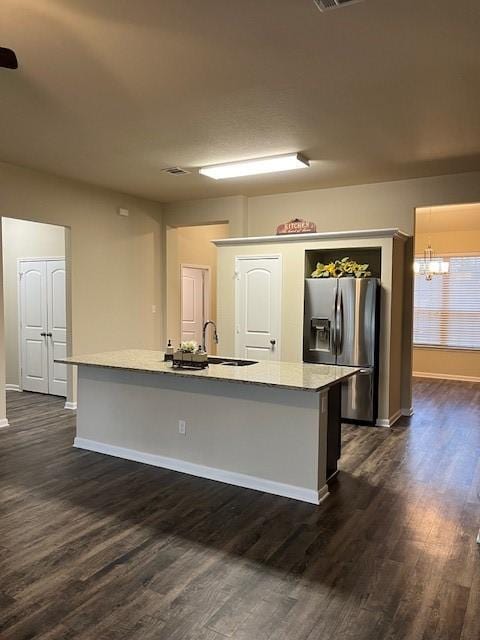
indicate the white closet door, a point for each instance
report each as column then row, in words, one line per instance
column 57, row 327
column 193, row 312
column 258, row 307
column 33, row 305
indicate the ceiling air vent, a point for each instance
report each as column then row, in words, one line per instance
column 175, row 171
column 326, row 5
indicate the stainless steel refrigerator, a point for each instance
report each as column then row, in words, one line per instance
column 342, row 327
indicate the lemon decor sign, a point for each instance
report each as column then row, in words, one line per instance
column 344, row 268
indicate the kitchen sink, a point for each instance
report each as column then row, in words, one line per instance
column 230, row 362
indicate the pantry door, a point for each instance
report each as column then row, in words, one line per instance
column 43, row 327
column 33, row 325
column 57, row 327
column 258, row 307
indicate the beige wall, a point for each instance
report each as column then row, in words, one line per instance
column 442, row 363
column 395, row 345
column 22, row 239
column 293, row 265
column 118, row 265
column 193, row 246
column 230, row 211
column 369, row 206
column 450, row 363
column 3, row 408
column 454, row 241
column 115, row 261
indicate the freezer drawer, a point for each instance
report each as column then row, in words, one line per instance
column 358, row 401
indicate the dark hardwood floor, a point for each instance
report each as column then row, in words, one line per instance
column 98, row 548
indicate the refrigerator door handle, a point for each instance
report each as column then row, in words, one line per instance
column 333, row 332
column 339, row 322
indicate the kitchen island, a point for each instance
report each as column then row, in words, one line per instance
column 269, row 426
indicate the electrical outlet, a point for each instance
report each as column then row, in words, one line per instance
column 182, row 427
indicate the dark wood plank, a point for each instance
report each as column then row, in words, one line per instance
column 93, row 547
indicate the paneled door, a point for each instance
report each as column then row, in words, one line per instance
column 33, row 326
column 258, row 307
column 57, row 327
column 194, row 293
column 43, row 333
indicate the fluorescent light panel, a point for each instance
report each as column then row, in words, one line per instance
column 286, row 162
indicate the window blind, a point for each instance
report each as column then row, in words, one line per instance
column 447, row 308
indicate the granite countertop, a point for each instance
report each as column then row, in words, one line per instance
column 285, row 375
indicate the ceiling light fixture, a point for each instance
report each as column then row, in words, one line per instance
column 430, row 265
column 272, row 164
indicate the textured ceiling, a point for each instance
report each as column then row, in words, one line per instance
column 112, row 91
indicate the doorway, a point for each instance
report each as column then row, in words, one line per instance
column 35, row 301
column 446, row 330
column 195, row 301
column 191, row 281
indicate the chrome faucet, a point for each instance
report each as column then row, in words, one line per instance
column 204, row 334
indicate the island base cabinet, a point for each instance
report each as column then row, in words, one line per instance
column 265, row 438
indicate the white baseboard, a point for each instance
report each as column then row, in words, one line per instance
column 211, row 473
column 12, row 387
column 407, row 412
column 383, row 422
column 389, row 422
column 4, row 423
column 445, row 376
column 71, row 406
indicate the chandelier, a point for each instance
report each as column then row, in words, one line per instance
column 430, row 265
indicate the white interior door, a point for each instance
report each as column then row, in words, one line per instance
column 193, row 303
column 57, row 327
column 43, row 331
column 33, row 326
column 258, row 307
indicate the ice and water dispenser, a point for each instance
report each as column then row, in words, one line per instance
column 320, row 330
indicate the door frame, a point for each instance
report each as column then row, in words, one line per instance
column 262, row 256
column 206, row 293
column 19, row 314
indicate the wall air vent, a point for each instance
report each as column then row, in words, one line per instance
column 327, row 5
column 175, row 171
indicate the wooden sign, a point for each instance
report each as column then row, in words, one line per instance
column 297, row 225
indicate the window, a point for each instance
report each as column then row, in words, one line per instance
column 447, row 308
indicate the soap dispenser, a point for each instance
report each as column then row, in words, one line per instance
column 169, row 352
